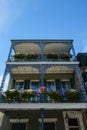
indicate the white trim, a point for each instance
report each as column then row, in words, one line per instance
column 50, row 80
column 74, row 114
column 65, row 80
column 48, row 120
column 33, row 80
column 41, row 63
column 19, row 80
column 19, row 120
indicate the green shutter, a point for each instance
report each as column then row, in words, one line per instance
column 58, row 84
column 72, row 83
column 44, row 82
column 26, row 84
column 13, row 84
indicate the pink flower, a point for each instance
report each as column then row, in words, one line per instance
column 42, row 88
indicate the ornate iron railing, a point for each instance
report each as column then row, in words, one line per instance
column 40, row 59
column 15, row 96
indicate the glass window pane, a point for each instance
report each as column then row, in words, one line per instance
column 49, row 126
column 73, row 122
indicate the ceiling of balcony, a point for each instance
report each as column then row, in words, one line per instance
column 27, row 48
column 34, row 48
column 31, row 70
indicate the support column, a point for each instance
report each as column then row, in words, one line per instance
column 42, row 87
column 42, row 72
column 41, row 79
column 10, row 51
column 42, row 46
column 42, row 119
column 4, row 77
column 77, row 70
column 74, row 54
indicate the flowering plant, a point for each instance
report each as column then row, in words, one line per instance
column 42, row 89
column 31, row 56
column 28, row 94
column 73, row 95
column 65, row 55
column 52, row 55
column 62, row 55
column 13, row 94
column 28, row 56
column 19, row 56
column 56, row 96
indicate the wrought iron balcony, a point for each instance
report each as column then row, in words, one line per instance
column 29, row 96
column 12, row 59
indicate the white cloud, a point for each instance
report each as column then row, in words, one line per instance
column 6, row 82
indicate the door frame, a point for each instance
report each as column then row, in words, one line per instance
column 48, row 120
column 73, row 114
column 19, row 120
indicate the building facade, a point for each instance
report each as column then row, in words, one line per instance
column 45, row 90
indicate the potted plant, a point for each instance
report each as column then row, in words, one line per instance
column 55, row 96
column 20, row 56
column 13, row 95
column 65, row 55
column 51, row 55
column 28, row 94
column 31, row 56
column 73, row 95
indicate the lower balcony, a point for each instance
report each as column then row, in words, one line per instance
column 41, row 96
column 47, row 106
column 27, row 100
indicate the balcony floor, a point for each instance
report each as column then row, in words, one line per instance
column 37, row 106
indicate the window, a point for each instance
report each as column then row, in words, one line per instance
column 73, row 124
column 19, row 126
column 19, row 85
column 73, row 120
column 65, row 84
column 34, row 84
column 50, row 85
column 49, row 126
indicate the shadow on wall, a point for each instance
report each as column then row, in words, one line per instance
column 4, row 122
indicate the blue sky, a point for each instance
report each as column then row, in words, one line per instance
column 42, row 19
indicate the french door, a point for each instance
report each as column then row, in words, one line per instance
column 19, row 126
column 49, row 126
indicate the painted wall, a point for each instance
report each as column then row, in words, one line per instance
column 4, row 122
column 34, row 117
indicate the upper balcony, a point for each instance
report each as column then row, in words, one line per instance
column 41, row 50
column 32, row 57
